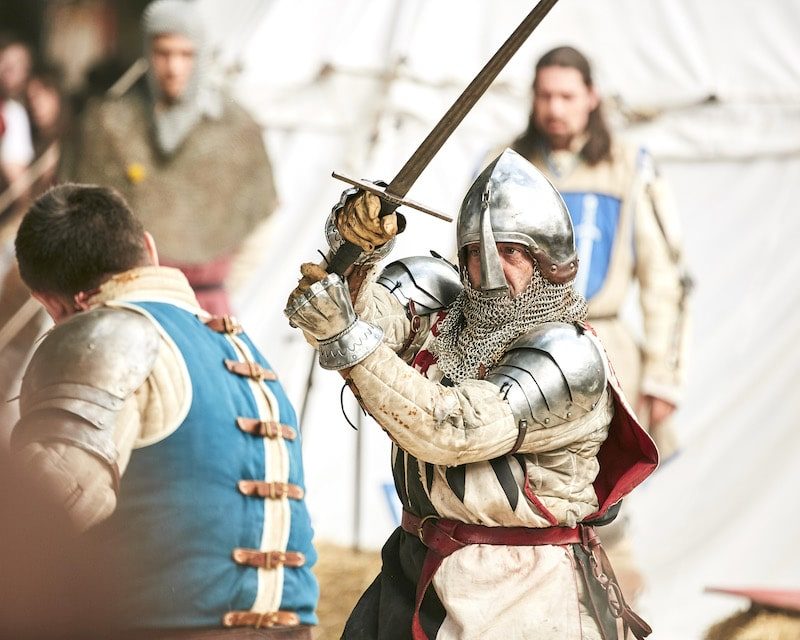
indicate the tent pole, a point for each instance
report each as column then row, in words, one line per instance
column 357, row 478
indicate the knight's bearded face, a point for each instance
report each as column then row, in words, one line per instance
column 172, row 59
column 515, row 259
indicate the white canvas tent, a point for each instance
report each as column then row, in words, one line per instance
column 355, row 85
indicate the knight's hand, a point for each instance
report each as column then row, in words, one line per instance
column 324, row 310
column 310, row 273
column 359, row 221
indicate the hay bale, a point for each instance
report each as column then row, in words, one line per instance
column 757, row 623
column 343, row 576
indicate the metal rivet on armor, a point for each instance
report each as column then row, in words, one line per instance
column 569, row 415
column 553, row 268
column 547, row 420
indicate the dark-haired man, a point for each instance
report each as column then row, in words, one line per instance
column 626, row 231
column 162, row 430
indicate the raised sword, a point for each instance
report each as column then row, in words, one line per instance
column 393, row 195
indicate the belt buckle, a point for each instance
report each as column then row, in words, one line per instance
column 420, row 532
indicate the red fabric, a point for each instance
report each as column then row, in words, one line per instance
column 429, row 567
column 437, row 324
column 208, row 281
column 628, row 455
column 424, row 358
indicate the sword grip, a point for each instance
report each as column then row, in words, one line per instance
column 347, row 254
column 387, row 208
column 344, row 258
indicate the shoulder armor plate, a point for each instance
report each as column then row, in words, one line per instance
column 88, row 366
column 551, row 375
column 432, row 283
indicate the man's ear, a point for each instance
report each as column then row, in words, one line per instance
column 81, row 300
column 57, row 307
column 594, row 98
column 150, row 247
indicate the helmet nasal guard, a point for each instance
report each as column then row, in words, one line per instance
column 511, row 201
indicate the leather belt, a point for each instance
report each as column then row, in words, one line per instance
column 446, row 536
column 272, row 490
column 443, row 537
column 266, row 428
column 268, row 559
column 260, row 620
column 250, row 370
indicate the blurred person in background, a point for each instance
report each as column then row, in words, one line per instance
column 50, row 116
column 627, row 232
column 190, row 161
column 161, row 432
column 16, row 148
column 16, row 62
column 16, row 154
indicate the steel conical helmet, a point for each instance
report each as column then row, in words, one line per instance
column 512, row 201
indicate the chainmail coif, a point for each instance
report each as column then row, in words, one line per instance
column 173, row 123
column 478, row 328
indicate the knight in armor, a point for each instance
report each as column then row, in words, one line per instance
column 628, row 239
column 189, row 160
column 162, row 431
column 511, row 437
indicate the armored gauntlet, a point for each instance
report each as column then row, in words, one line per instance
column 356, row 218
column 325, row 311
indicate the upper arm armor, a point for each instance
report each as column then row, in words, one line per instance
column 430, row 283
column 552, row 374
column 80, row 377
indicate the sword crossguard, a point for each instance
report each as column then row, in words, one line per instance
column 392, row 199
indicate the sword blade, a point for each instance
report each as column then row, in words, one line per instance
column 411, row 170
column 348, row 253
